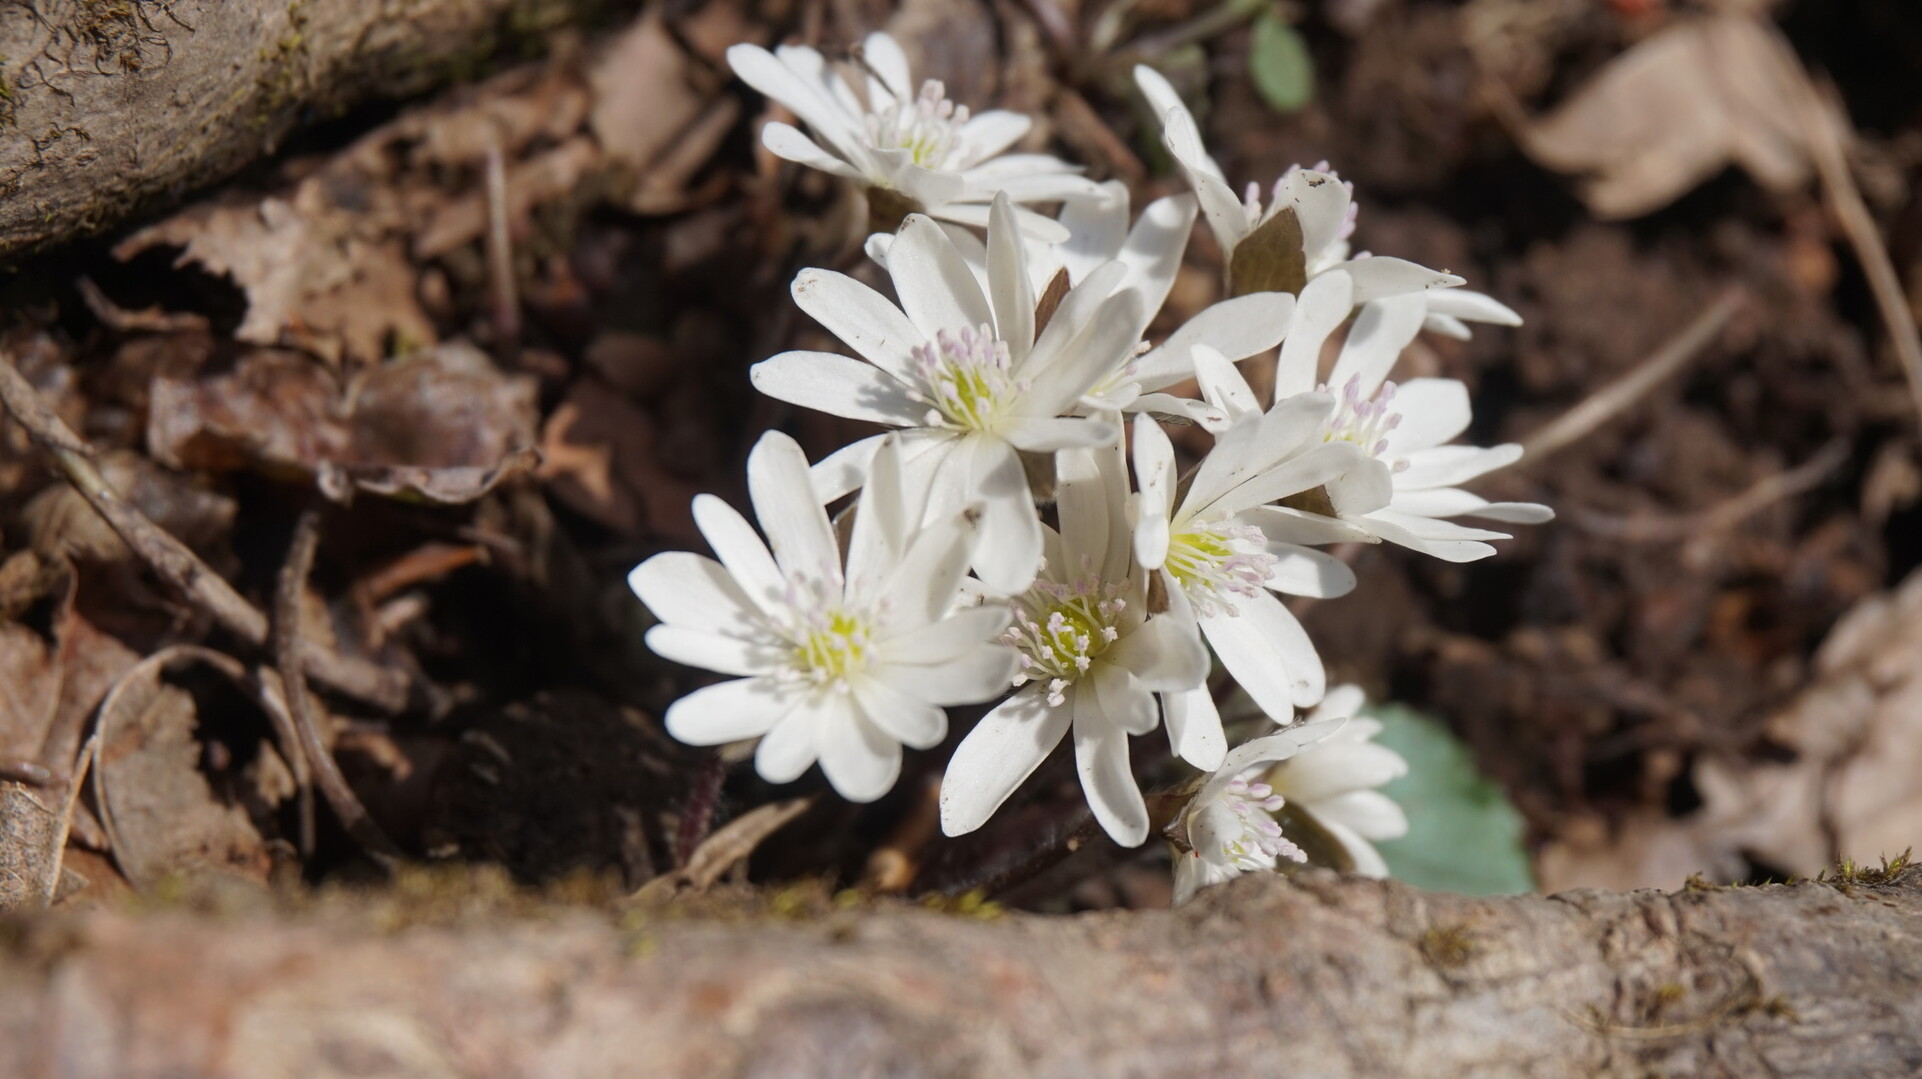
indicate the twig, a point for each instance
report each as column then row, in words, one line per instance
column 1615, row 398
column 287, row 653
column 170, row 559
column 500, row 258
column 1756, row 497
column 697, row 816
column 1821, row 115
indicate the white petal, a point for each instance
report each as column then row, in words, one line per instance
column 716, row 652
column 1324, row 304
column 1344, row 700
column 1281, row 525
column 1471, row 306
column 1378, row 276
column 1048, row 434
column 1221, row 383
column 979, row 673
column 686, row 589
column 1336, row 768
column 1086, row 511
column 1101, row 759
column 1269, row 653
column 786, row 141
column 1058, row 377
column 1098, row 228
column 1154, row 248
column 1155, row 477
column 1238, row 328
column 1038, row 186
column 1381, row 331
column 1321, row 205
column 997, row 755
column 862, row 318
column 1008, row 542
column 838, row 385
column 1299, row 571
column 986, row 134
column 1162, row 101
column 1305, row 472
column 1224, row 212
column 1455, row 502
column 729, row 711
column 943, row 641
column 885, row 58
column 1194, row 727
column 1121, row 699
column 1367, row 487
column 1166, row 655
column 1446, row 466
column 922, row 588
column 794, row 743
column 1368, row 860
column 860, row 760
column 884, row 521
column 797, row 527
column 1009, row 290
column 1445, row 540
column 774, row 78
column 1433, row 411
column 936, row 288
column 1368, row 813
column 1266, row 750
column 741, row 551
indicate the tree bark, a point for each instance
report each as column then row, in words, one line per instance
column 1316, row 977
column 110, row 107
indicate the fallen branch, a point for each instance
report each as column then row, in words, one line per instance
column 1324, row 976
column 109, row 109
column 172, row 561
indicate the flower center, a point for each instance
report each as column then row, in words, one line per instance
column 927, row 127
column 830, row 642
column 1363, row 421
column 1215, row 562
column 1059, row 630
column 1245, row 831
column 966, row 379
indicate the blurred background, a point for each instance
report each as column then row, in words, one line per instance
column 1704, row 211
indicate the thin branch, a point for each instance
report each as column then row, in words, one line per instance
column 300, row 703
column 1618, row 396
column 172, row 561
column 1758, row 496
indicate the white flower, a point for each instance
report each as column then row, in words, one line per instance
column 1404, row 490
column 1150, row 251
column 843, row 665
column 1092, row 661
column 1334, row 782
column 1222, row 550
column 963, row 374
column 1228, row 828
column 915, row 145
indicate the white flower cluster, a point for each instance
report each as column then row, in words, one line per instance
column 1000, row 551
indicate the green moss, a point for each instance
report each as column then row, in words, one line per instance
column 1447, row 947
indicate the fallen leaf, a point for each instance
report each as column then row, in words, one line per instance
column 1677, row 108
column 160, row 813
column 443, row 424
column 727, row 847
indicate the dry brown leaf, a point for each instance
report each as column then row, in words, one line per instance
column 1853, row 789
column 1674, row 110
column 160, row 813
column 443, row 424
column 728, row 846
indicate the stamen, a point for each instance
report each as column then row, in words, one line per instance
column 1366, row 422
column 1259, row 841
column 830, row 641
column 1215, row 562
column 966, row 379
column 1059, row 630
column 928, row 127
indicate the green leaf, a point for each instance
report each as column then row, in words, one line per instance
column 1279, row 63
column 1463, row 834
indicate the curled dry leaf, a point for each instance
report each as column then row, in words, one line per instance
column 160, row 813
column 1676, row 109
column 443, row 424
column 727, row 847
column 59, row 520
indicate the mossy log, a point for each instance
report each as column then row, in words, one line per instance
column 108, row 107
column 1318, row 976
